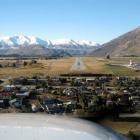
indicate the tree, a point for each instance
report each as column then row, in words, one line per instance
column 14, row 64
column 25, row 63
column 107, row 56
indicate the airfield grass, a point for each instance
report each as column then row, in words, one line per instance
column 43, row 67
column 118, row 70
column 54, row 67
column 122, row 127
column 57, row 66
column 93, row 65
column 101, row 65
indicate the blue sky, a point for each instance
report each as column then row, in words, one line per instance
column 95, row 20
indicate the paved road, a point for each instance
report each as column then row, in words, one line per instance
column 78, row 65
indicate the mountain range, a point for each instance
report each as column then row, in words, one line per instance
column 127, row 44
column 33, row 46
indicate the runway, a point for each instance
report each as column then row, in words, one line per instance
column 78, row 65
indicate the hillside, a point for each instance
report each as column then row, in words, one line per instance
column 125, row 45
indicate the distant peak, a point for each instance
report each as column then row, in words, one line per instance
column 23, row 40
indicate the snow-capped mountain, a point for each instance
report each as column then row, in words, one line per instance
column 15, row 44
column 73, row 44
column 21, row 40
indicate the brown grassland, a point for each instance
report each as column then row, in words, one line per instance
column 54, row 67
column 43, row 67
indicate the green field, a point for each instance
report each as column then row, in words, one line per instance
column 101, row 65
column 118, row 70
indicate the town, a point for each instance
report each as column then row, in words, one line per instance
column 84, row 96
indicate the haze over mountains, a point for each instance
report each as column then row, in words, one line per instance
column 32, row 46
column 125, row 45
